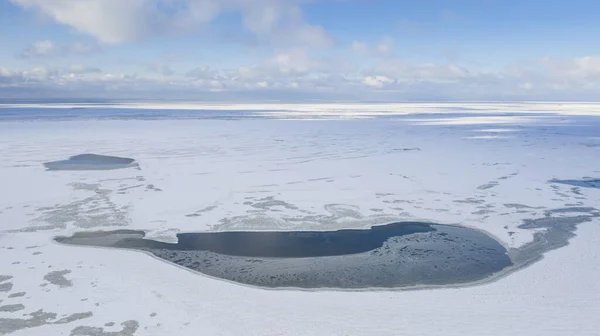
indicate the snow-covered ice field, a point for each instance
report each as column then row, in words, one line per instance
column 292, row 167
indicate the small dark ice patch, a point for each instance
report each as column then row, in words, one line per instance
column 91, row 162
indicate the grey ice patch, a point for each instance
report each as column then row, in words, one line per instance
column 109, row 237
column 16, row 295
column 584, row 183
column 95, row 210
column 37, row 319
column 398, row 202
column 520, row 206
column 571, row 210
column 6, row 287
column 5, row 277
column 340, row 216
column 58, row 278
column 152, row 187
column 320, row 179
column 91, row 162
column 129, row 329
column 489, row 185
column 199, row 213
column 556, row 233
column 411, row 149
column 469, row 200
column 341, row 211
column 74, row 317
column 482, row 212
column 131, row 187
column 270, row 202
column 12, row 308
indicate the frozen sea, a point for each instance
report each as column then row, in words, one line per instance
column 495, row 167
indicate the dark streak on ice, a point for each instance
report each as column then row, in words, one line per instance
column 585, row 182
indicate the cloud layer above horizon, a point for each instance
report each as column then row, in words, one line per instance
column 300, row 49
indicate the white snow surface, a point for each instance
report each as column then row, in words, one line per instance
column 337, row 109
column 284, row 174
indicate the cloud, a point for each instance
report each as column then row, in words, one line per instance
column 582, row 68
column 82, row 48
column 293, row 64
column 118, row 21
column 9, row 77
column 40, row 49
column 359, row 47
column 377, row 81
column 422, row 71
column 283, row 22
column 290, row 63
column 47, row 48
column 40, row 74
column 162, row 69
column 203, row 72
column 110, row 21
column 300, row 73
column 384, row 48
column 82, row 69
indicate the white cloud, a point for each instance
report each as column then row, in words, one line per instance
column 377, row 81
column 118, row 21
column 40, row 49
column 526, row 86
column 5, row 72
column 578, row 68
column 423, row 71
column 82, row 69
column 47, row 48
column 359, row 47
column 291, row 63
column 161, row 69
column 203, row 72
column 384, row 48
column 82, row 48
column 111, row 21
column 40, row 73
column 300, row 72
column 263, row 84
column 9, row 77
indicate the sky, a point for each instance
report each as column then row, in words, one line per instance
column 287, row 50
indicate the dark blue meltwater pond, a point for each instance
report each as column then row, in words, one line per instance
column 91, row 162
column 390, row 256
column 298, row 244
